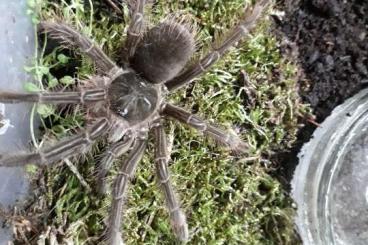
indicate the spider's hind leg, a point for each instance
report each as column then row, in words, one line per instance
column 113, row 5
column 177, row 216
column 242, row 29
column 113, row 152
column 113, row 234
column 136, row 28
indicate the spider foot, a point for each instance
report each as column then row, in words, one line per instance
column 236, row 145
column 115, row 239
column 179, row 225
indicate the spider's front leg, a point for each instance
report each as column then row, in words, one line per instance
column 72, row 38
column 64, row 149
column 83, row 96
column 211, row 58
column 113, row 234
column 219, row 135
column 177, row 216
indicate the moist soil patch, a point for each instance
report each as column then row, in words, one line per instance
column 328, row 39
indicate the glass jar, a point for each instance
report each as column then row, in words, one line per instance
column 330, row 184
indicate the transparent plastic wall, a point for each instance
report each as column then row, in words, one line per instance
column 17, row 48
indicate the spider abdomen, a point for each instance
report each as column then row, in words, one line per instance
column 163, row 51
column 133, row 98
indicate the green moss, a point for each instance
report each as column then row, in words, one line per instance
column 228, row 200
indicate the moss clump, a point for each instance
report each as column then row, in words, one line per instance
column 228, row 200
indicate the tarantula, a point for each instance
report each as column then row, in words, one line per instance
column 126, row 103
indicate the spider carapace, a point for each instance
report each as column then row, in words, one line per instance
column 133, row 98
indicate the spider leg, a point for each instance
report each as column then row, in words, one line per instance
column 135, row 28
column 114, row 6
column 178, row 219
column 219, row 135
column 63, row 149
column 82, row 97
column 113, row 152
column 72, row 38
column 236, row 35
column 113, row 234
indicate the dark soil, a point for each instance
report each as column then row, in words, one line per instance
column 328, row 39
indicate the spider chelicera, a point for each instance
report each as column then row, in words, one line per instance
column 127, row 103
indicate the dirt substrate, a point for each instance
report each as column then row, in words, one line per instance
column 328, row 38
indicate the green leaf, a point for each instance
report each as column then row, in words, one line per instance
column 35, row 20
column 45, row 110
column 31, row 87
column 31, row 169
column 29, row 68
column 29, row 12
column 31, row 3
column 67, row 80
column 63, row 59
column 43, row 70
column 53, row 82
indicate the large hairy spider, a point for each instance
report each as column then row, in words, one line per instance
column 126, row 103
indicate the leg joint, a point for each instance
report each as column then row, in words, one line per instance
column 111, row 153
column 87, row 137
column 89, row 49
column 244, row 29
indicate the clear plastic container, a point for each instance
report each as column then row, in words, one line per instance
column 17, row 48
column 330, row 184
